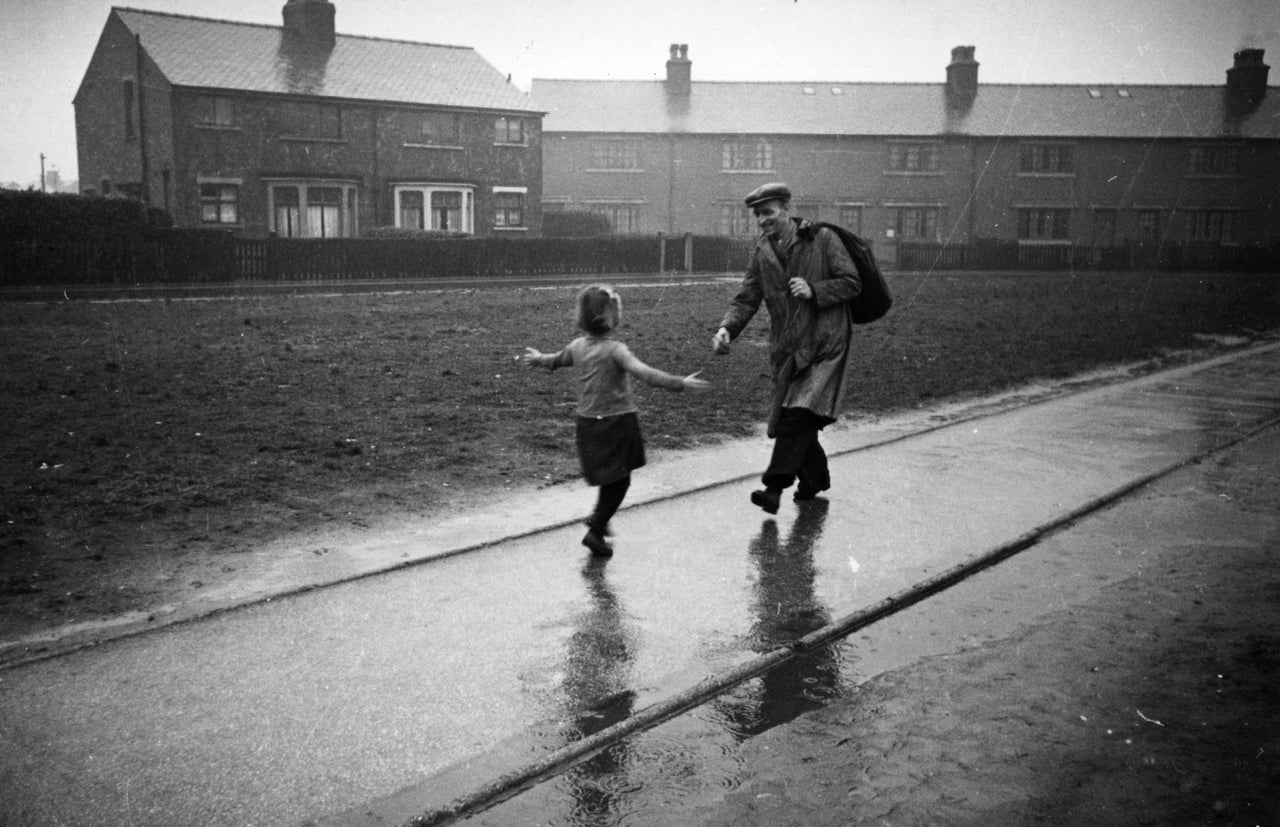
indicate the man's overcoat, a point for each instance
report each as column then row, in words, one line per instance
column 808, row 338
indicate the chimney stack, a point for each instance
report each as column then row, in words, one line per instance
column 679, row 71
column 962, row 74
column 311, row 21
column 1247, row 79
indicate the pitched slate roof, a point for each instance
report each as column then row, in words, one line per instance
column 248, row 57
column 911, row 109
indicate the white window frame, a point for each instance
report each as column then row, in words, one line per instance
column 1212, row 225
column 857, row 209
column 348, row 207
column 914, row 158
column 523, row 192
column 747, row 154
column 215, row 111
column 1047, row 159
column 928, row 214
column 1214, row 160
column 1044, row 224
column 613, row 208
column 238, row 183
column 467, row 210
column 424, row 135
column 736, row 220
column 502, row 128
column 615, row 155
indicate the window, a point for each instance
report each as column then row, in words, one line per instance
column 443, row 208
column 310, row 120
column 446, row 211
column 412, row 210
column 1212, row 226
column 508, row 209
column 851, row 217
column 1043, row 223
column 748, row 155
column 128, row 109
column 1214, row 161
column 211, row 111
column 735, row 219
column 615, row 155
column 219, row 203
column 623, row 218
column 917, row 223
column 907, row 156
column 1047, row 159
column 288, row 212
column 324, row 212
column 1104, row 227
column 313, row 209
column 1148, row 225
column 508, row 130
column 440, row 129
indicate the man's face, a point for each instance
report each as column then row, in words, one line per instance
column 772, row 217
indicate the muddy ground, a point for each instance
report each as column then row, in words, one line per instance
column 151, row 444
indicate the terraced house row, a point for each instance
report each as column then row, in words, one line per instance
column 298, row 131
column 954, row 161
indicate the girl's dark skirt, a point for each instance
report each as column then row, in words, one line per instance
column 610, row 448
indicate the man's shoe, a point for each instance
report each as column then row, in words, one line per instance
column 808, row 492
column 768, row 499
column 597, row 544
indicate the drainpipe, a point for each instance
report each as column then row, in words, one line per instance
column 375, row 182
column 142, row 124
column 671, row 183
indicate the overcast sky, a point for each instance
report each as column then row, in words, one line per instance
column 45, row 45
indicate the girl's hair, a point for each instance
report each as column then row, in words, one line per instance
column 599, row 309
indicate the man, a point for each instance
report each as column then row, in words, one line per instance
column 805, row 277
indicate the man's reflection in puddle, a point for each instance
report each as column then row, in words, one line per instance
column 598, row 694
column 786, row 609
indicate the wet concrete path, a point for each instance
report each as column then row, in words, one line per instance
column 382, row 697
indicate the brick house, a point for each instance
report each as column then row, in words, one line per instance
column 298, row 131
column 951, row 161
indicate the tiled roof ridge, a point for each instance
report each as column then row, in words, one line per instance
column 277, row 26
column 1110, row 84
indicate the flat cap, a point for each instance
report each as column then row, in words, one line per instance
column 768, row 192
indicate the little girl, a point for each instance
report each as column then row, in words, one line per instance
column 610, row 445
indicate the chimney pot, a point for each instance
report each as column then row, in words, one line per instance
column 1247, row 78
column 679, row 71
column 310, row 20
column 962, row 73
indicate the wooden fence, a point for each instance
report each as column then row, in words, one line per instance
column 193, row 257
column 990, row 254
column 196, row 257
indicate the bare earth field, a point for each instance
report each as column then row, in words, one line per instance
column 151, row 443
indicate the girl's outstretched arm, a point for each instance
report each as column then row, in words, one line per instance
column 659, row 378
column 536, row 358
column 693, row 383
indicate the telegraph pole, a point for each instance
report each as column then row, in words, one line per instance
column 42, row 172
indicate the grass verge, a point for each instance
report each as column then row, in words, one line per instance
column 146, row 434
